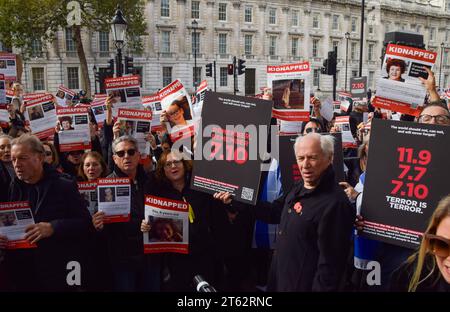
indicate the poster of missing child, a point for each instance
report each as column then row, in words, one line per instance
column 399, row 87
column 89, row 192
column 64, row 96
column 169, row 225
column 290, row 91
column 136, row 123
column 114, row 199
column 400, row 195
column 153, row 103
column 15, row 217
column 290, row 173
column 125, row 92
column 342, row 124
column 176, row 102
column 228, row 156
column 74, row 132
column 41, row 113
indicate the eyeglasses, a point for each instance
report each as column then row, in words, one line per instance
column 129, row 152
column 171, row 114
column 315, row 130
column 169, row 164
column 48, row 153
column 440, row 119
column 439, row 245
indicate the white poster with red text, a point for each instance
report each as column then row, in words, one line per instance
column 114, row 199
column 399, row 87
column 88, row 190
column 169, row 226
column 342, row 124
column 344, row 99
column 8, row 66
column 98, row 107
column 74, row 133
column 153, row 103
column 136, row 123
column 15, row 217
column 126, row 92
column 290, row 91
column 64, row 96
column 176, row 102
column 41, row 114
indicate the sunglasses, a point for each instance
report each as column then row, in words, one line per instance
column 309, row 130
column 129, row 152
column 439, row 245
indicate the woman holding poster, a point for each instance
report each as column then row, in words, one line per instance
column 172, row 177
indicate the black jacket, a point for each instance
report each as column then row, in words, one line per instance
column 54, row 199
column 312, row 246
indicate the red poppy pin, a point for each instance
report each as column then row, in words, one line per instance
column 298, row 207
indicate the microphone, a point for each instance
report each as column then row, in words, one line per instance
column 201, row 285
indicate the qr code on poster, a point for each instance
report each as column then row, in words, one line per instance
column 247, row 193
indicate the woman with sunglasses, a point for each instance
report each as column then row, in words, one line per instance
column 313, row 125
column 172, row 181
column 428, row 270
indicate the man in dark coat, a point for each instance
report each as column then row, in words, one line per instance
column 61, row 221
column 315, row 223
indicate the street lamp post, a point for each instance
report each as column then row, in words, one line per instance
column 95, row 78
column 194, row 27
column 440, row 67
column 119, row 28
column 347, row 36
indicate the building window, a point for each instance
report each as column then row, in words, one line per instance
column 419, row 28
column 195, row 43
column 167, row 75
column 295, row 19
column 272, row 16
column 335, row 44
column 432, row 33
column 139, row 70
column 315, row 21
column 73, row 81
column 103, row 43
column 353, row 48
column 70, row 43
column 272, row 45
column 165, row 8
column 223, row 76
column 222, row 11
column 197, row 73
column 294, row 48
column 248, row 43
column 387, row 27
column 38, row 78
column 315, row 47
column 447, row 35
column 36, row 48
column 354, row 22
column 248, row 15
column 354, row 73
column 371, row 79
column 445, row 60
column 222, row 43
column 370, row 29
column 316, row 77
column 165, row 48
column 448, row 5
column 335, row 25
column 195, row 9
column 370, row 52
column 446, row 85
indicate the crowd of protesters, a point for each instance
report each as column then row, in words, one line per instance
column 316, row 247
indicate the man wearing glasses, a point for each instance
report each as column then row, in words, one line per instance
column 435, row 114
column 130, row 267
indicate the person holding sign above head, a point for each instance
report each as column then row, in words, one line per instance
column 428, row 270
column 315, row 223
column 62, row 221
column 132, row 270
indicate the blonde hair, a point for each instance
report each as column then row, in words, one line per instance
column 442, row 211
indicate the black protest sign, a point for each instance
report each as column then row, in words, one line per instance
column 407, row 174
column 227, row 155
column 358, row 87
column 290, row 172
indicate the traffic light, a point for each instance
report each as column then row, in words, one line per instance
column 110, row 68
column 324, row 69
column 209, row 71
column 129, row 66
column 330, row 64
column 241, row 67
column 230, row 69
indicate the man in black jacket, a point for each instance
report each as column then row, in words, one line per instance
column 315, row 223
column 132, row 270
column 61, row 221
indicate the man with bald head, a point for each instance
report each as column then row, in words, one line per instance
column 315, row 223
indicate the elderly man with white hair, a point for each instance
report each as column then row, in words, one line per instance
column 315, row 223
